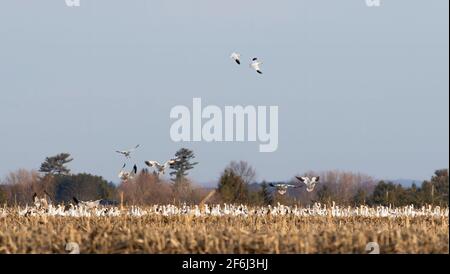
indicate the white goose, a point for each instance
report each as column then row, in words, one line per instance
column 282, row 187
column 127, row 175
column 87, row 204
column 236, row 57
column 160, row 168
column 41, row 202
column 309, row 182
column 127, row 153
column 255, row 64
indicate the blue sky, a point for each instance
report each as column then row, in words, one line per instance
column 358, row 89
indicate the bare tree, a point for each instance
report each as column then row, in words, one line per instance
column 21, row 185
column 146, row 188
column 243, row 170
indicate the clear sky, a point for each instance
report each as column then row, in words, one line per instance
column 359, row 89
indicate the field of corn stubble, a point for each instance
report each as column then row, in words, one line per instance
column 223, row 234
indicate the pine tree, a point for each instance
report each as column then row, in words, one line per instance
column 183, row 164
column 182, row 186
column 56, row 164
column 265, row 193
column 232, row 187
column 360, row 197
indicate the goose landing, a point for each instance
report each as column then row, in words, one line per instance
column 236, row 57
column 41, row 202
column 256, row 65
column 160, row 168
column 127, row 175
column 127, row 153
column 309, row 182
column 282, row 187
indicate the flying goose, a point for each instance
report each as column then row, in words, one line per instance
column 160, row 168
column 88, row 204
column 282, row 187
column 125, row 175
column 309, row 182
column 236, row 57
column 127, row 153
column 255, row 64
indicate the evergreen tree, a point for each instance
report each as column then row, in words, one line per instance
column 2, row 195
column 182, row 188
column 360, row 197
column 183, row 164
column 82, row 186
column 266, row 194
column 383, row 194
column 440, row 185
column 324, row 194
column 232, row 188
column 56, row 164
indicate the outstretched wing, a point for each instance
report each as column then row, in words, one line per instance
column 169, row 163
column 152, row 163
column 75, row 200
column 134, row 148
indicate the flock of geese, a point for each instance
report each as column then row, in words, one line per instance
column 42, row 205
column 231, row 210
column 159, row 168
column 255, row 63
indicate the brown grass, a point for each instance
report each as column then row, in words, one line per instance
column 187, row 234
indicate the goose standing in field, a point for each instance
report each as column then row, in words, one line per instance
column 127, row 175
column 309, row 182
column 282, row 187
column 127, row 153
column 160, row 168
column 255, row 64
column 236, row 57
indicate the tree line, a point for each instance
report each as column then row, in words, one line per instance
column 343, row 188
column 237, row 184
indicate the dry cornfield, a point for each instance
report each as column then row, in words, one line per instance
column 223, row 234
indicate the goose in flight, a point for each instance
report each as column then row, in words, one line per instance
column 309, row 182
column 236, row 57
column 255, row 64
column 160, row 168
column 282, row 187
column 126, row 175
column 127, row 153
